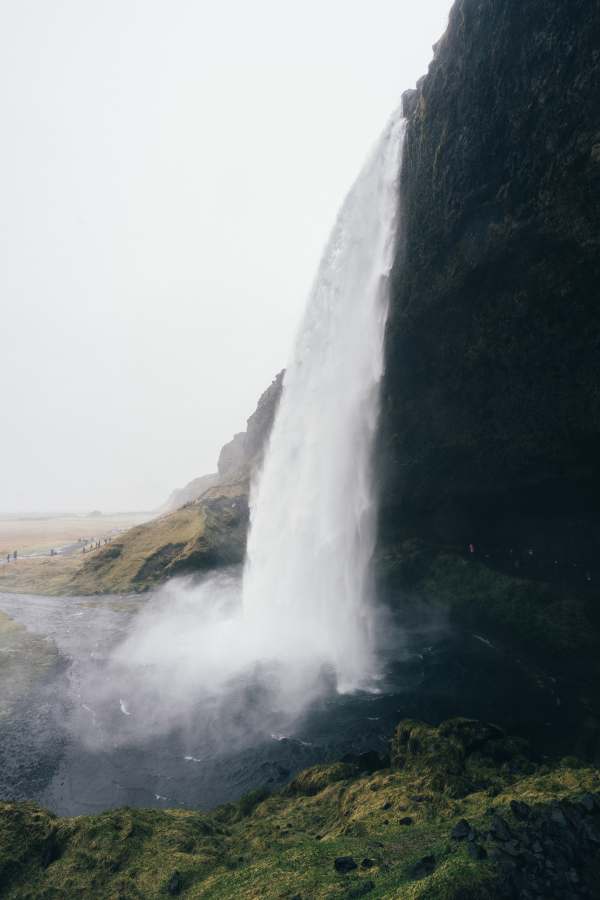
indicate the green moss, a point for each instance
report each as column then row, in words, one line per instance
column 529, row 611
column 285, row 844
column 548, row 619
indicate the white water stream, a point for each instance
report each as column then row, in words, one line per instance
column 308, row 569
column 229, row 663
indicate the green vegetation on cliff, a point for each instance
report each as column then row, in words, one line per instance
column 203, row 535
column 459, row 815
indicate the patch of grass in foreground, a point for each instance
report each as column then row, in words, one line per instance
column 285, row 845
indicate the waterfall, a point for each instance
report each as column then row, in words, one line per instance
column 226, row 662
column 308, row 565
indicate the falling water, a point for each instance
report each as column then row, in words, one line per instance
column 224, row 665
column 308, row 571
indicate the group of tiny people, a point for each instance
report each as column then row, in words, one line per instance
column 516, row 560
column 94, row 544
column 88, row 546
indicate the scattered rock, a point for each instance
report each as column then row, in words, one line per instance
column 519, row 809
column 407, row 820
column 387, row 806
column 51, row 850
column 587, row 801
column 423, row 867
column 175, row 884
column 344, row 864
column 461, row 830
column 476, row 851
column 499, row 829
column 513, row 848
column 558, row 817
column 367, row 863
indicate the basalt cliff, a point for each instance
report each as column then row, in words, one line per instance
column 488, row 457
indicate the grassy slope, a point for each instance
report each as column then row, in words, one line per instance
column 199, row 536
column 283, row 846
column 42, row 575
column 102, row 570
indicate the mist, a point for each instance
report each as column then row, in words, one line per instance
column 170, row 174
column 195, row 665
column 238, row 656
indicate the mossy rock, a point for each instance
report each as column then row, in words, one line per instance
column 458, row 757
column 285, row 844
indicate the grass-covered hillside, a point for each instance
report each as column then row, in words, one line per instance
column 463, row 812
column 203, row 535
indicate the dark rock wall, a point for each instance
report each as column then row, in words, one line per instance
column 491, row 397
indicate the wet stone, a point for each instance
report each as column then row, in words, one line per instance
column 175, row 884
column 513, row 848
column 591, row 833
column 461, row 830
column 558, row 817
column 572, row 815
column 476, row 851
column 519, row 809
column 586, row 803
column 424, row 867
column 344, row 864
column 499, row 829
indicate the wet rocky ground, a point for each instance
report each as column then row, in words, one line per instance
column 62, row 749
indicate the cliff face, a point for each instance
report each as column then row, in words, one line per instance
column 491, row 401
column 489, row 453
column 245, row 452
column 192, row 490
column 240, row 457
column 208, row 530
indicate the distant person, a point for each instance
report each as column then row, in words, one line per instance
column 15, row 554
column 8, row 557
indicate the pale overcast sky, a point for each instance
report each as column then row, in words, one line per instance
column 169, row 173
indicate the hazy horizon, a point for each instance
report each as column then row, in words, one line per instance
column 170, row 176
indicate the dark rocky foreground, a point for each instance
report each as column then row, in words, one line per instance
column 459, row 811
